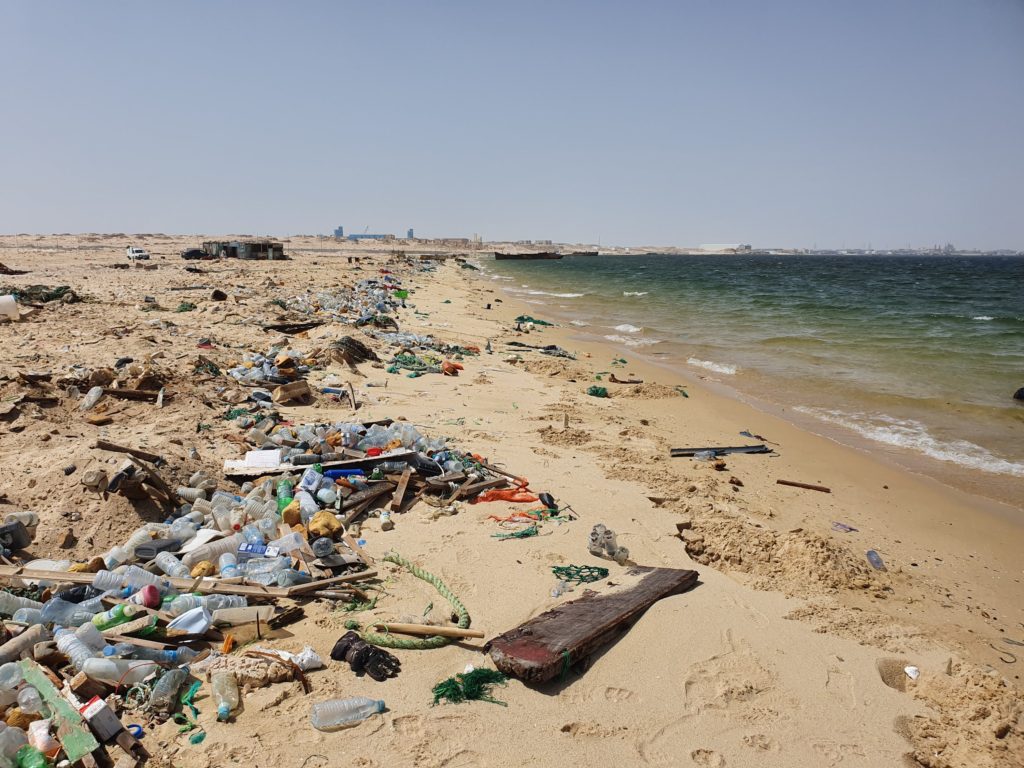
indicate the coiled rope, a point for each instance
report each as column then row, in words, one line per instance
column 417, row 644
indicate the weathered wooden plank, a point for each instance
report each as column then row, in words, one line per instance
column 403, row 483
column 547, row 644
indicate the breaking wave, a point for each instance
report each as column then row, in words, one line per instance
column 907, row 433
column 728, row 370
column 627, row 328
column 635, row 293
column 632, row 341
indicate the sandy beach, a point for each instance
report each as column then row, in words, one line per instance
column 790, row 651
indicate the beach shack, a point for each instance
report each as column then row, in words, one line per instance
column 245, row 249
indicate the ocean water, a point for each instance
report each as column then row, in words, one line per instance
column 918, row 356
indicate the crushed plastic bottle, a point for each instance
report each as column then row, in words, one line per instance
column 343, row 713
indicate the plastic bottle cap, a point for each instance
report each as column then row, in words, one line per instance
column 224, row 712
column 380, row 705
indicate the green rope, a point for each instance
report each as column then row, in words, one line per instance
column 581, row 574
column 425, row 643
column 520, row 534
column 470, row 686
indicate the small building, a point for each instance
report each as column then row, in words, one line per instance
column 268, row 250
column 410, row 235
column 339, row 232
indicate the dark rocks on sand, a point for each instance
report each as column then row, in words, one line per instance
column 1019, row 394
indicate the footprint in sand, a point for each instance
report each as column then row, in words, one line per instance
column 707, row 758
column 409, row 726
column 835, row 753
column 619, row 694
column 840, row 686
column 761, row 742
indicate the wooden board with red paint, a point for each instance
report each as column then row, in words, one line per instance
column 547, row 644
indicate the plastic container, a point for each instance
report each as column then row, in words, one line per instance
column 129, row 651
column 119, row 672
column 148, row 596
column 9, row 307
column 172, row 566
column 289, row 577
column 11, row 740
column 225, row 693
column 343, row 713
column 252, row 534
column 39, row 737
column 28, row 519
column 323, row 547
column 10, row 603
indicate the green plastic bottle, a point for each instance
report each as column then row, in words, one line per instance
column 285, row 494
column 119, row 614
column 30, row 757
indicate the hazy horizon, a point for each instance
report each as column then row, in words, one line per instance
column 794, row 124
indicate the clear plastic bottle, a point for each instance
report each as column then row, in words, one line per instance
column 227, row 565
column 212, row 550
column 172, row 656
column 57, row 611
column 11, row 740
column 138, row 577
column 184, row 603
column 164, row 697
column 343, row 713
column 91, row 637
column 172, row 566
column 289, row 577
column 182, row 529
column 10, row 675
column 10, row 603
column 115, row 556
column 74, row 648
column 268, row 526
column 323, row 547
column 107, row 580
column 252, row 534
column 225, row 693
column 30, row 701
column 30, row 757
column 28, row 616
column 92, row 397
column 122, row 672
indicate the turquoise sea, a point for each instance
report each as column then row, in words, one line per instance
column 916, row 357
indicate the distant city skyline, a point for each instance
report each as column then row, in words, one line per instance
column 784, row 124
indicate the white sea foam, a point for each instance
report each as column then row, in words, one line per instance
column 907, row 433
column 635, row 293
column 501, row 277
column 579, row 323
column 728, row 370
column 627, row 328
column 633, row 341
column 556, row 295
column 983, row 317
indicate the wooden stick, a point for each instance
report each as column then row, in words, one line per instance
column 808, row 486
column 426, row 629
column 134, row 394
column 403, row 483
column 105, row 445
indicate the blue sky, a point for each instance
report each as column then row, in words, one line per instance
column 774, row 123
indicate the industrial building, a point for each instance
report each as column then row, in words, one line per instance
column 245, row 249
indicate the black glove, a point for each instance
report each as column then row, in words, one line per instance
column 363, row 657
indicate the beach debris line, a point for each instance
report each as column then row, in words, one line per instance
column 604, row 543
column 548, row 645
